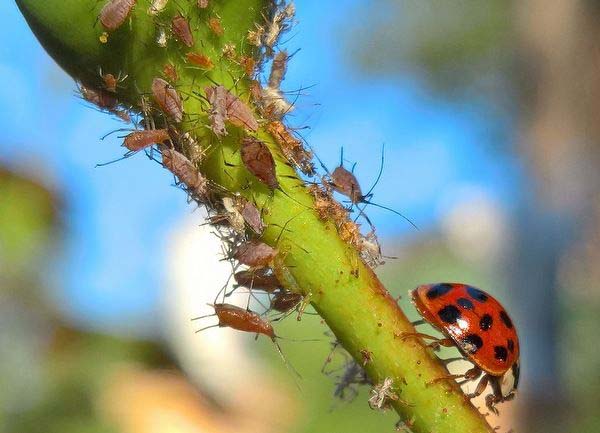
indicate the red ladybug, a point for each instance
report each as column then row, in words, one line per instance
column 479, row 326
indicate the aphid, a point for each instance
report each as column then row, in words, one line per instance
column 227, row 107
column 382, row 393
column 110, row 82
column 344, row 182
column 285, row 301
column 370, row 250
column 200, row 60
column 103, row 38
column 354, row 374
column 275, row 106
column 181, row 28
column 278, row 25
column 292, row 148
column 215, row 26
column 167, row 98
column 278, row 69
column 478, row 325
column 258, row 279
column 162, row 38
column 232, row 316
column 255, row 36
column 183, row 168
column 139, row 140
column 248, row 64
column 170, row 72
column 99, row 97
column 228, row 51
column 252, row 217
column 202, row 4
column 257, row 158
column 241, row 319
column 115, row 12
column 157, row 6
column 238, row 214
column 255, row 254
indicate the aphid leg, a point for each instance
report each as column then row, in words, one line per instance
column 471, row 374
column 303, row 305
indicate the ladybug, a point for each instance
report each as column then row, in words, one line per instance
column 478, row 325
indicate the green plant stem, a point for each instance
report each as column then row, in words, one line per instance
column 345, row 292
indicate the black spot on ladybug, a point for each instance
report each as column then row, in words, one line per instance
column 465, row 303
column 505, row 319
column 449, row 314
column 477, row 294
column 472, row 343
column 485, row 322
column 500, row 353
column 511, row 345
column 438, row 290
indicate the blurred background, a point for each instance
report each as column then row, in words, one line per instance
column 490, row 115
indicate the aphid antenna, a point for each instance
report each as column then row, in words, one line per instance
column 127, row 155
column 283, row 228
column 205, row 328
column 117, row 130
column 367, row 202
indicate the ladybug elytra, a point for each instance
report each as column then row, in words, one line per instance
column 478, row 325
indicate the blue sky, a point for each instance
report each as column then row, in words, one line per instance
column 117, row 217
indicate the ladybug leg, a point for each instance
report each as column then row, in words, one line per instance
column 471, row 374
column 446, row 342
column 483, row 383
column 418, row 322
column 405, row 335
column 491, row 400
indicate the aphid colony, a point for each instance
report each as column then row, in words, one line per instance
column 471, row 320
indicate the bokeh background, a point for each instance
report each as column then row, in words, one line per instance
column 490, row 115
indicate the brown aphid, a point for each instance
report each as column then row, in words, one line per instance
column 182, row 31
column 344, row 182
column 186, row 172
column 202, row 4
column 139, row 140
column 167, row 98
column 254, row 37
column 252, row 217
column 99, row 97
column 200, row 60
column 259, row 279
column 170, row 72
column 228, row 51
column 227, row 107
column 255, row 254
column 285, row 301
column 292, row 148
column 215, row 26
column 232, row 316
column 257, row 158
column 278, row 69
column 110, row 82
column 249, row 65
column 115, row 12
